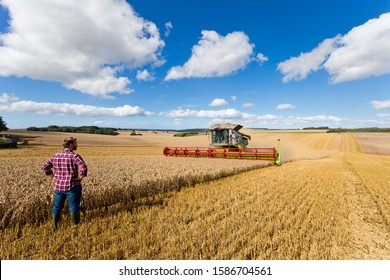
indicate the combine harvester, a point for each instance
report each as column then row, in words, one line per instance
column 228, row 143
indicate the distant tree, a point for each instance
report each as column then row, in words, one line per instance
column 53, row 128
column 3, row 125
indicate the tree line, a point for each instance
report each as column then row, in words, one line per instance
column 76, row 129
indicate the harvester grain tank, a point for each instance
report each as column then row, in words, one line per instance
column 227, row 142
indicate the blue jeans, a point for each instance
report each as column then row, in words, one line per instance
column 73, row 196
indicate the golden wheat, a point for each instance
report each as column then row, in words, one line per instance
column 25, row 195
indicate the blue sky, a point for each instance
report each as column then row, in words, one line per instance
column 190, row 64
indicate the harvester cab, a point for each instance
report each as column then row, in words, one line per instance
column 228, row 135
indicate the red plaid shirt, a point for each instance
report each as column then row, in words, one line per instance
column 65, row 164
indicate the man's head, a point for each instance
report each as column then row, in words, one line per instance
column 70, row 143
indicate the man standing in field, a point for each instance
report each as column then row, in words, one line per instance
column 67, row 180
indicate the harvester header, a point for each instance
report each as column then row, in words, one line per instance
column 228, row 143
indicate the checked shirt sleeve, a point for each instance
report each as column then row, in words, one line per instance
column 46, row 168
column 83, row 166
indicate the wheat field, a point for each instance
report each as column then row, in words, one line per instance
column 329, row 200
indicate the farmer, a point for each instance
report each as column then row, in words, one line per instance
column 67, row 180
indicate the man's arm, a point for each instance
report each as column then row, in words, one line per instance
column 83, row 168
column 47, row 168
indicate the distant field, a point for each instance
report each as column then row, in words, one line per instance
column 374, row 143
column 329, row 200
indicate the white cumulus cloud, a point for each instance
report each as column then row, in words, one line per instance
column 168, row 28
column 84, row 46
column 248, row 105
column 261, row 58
column 297, row 68
column 379, row 105
column 215, row 56
column 103, row 82
column 222, row 114
column 361, row 53
column 316, row 119
column 383, row 115
column 218, row 102
column 144, row 75
column 285, row 106
column 5, row 99
column 13, row 104
column 231, row 114
column 365, row 52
